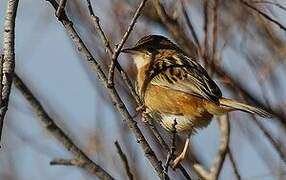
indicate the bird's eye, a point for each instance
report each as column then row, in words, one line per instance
column 150, row 49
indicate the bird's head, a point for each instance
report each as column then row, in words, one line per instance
column 149, row 47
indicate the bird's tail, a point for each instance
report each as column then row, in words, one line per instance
column 232, row 105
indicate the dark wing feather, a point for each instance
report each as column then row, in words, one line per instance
column 183, row 74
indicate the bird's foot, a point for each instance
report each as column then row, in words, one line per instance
column 177, row 161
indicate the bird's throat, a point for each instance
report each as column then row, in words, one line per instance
column 142, row 63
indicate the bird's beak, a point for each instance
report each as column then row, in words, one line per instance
column 129, row 50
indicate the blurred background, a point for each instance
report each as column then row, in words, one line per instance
column 242, row 50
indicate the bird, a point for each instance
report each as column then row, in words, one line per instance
column 175, row 88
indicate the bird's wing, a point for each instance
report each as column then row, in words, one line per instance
column 183, row 74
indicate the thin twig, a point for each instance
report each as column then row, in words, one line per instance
column 190, row 25
column 123, row 40
column 173, row 147
column 61, row 8
column 224, row 141
column 99, row 29
column 234, row 165
column 213, row 56
column 104, row 39
column 263, row 14
column 56, row 131
column 124, row 159
column 9, row 58
column 214, row 30
column 1, row 78
column 206, row 32
column 271, row 3
column 165, row 146
column 67, row 162
column 149, row 153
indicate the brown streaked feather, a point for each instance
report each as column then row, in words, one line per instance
column 180, row 73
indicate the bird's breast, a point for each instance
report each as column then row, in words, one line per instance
column 189, row 111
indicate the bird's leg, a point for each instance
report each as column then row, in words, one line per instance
column 182, row 155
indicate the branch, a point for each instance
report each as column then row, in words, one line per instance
column 224, row 140
column 8, row 65
column 1, row 86
column 104, row 39
column 271, row 3
column 221, row 154
column 263, row 14
column 233, row 163
column 173, row 147
column 206, row 33
column 214, row 30
column 67, row 162
column 123, row 40
column 149, row 153
column 124, row 160
column 95, row 20
column 164, row 145
column 56, row 131
column 61, row 9
column 190, row 25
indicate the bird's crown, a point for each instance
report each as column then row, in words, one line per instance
column 153, row 39
column 153, row 43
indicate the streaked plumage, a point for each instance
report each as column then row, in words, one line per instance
column 180, row 73
column 174, row 86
